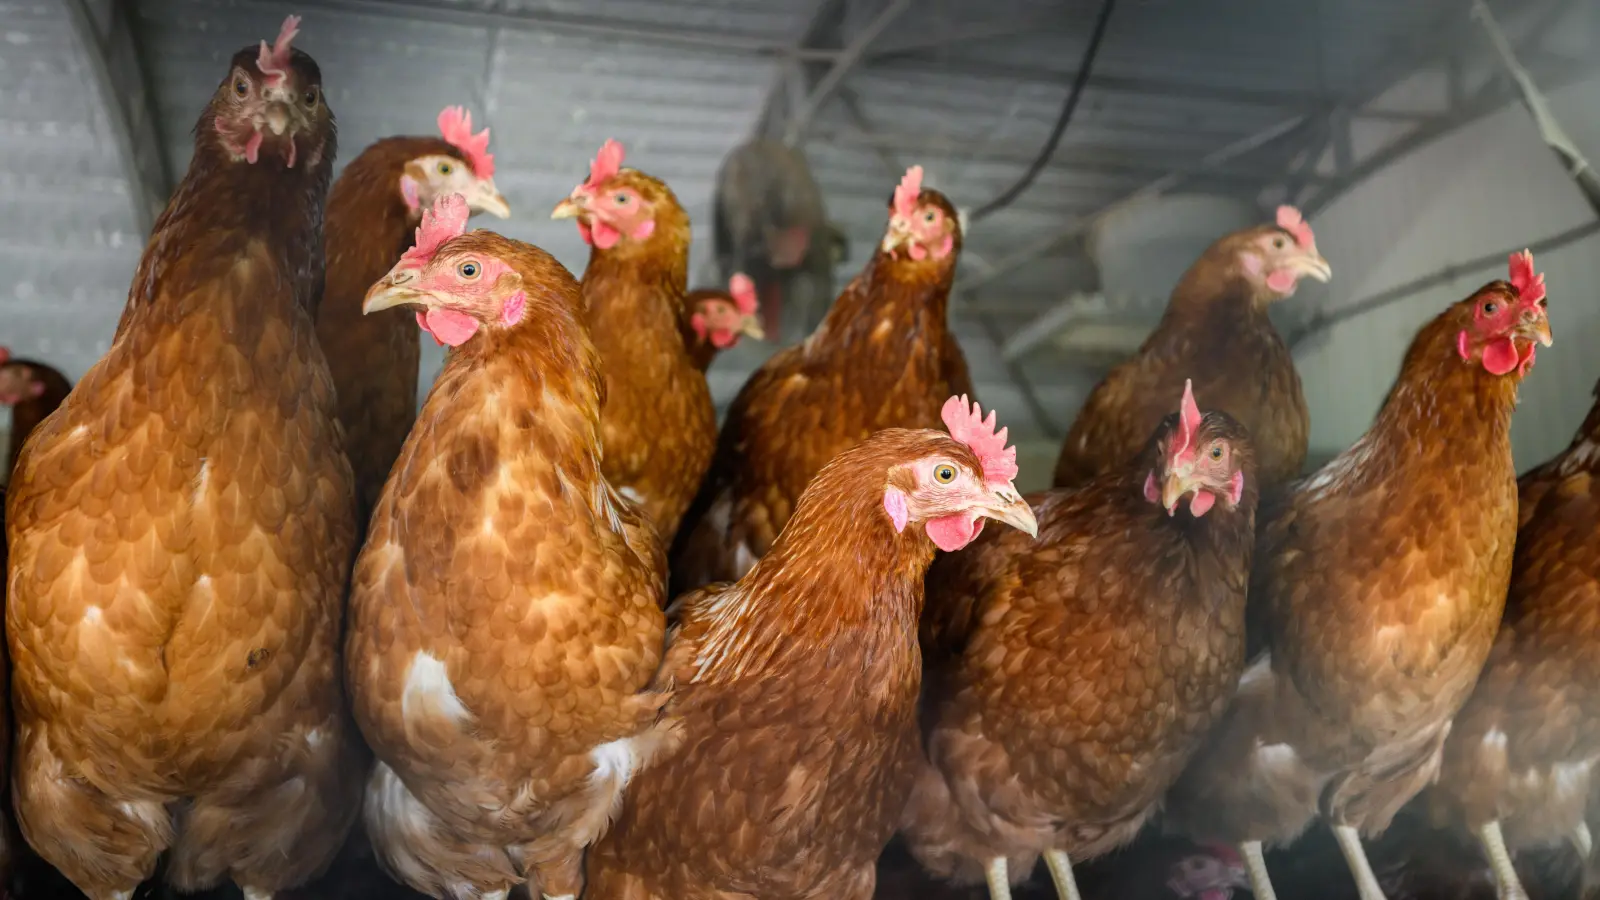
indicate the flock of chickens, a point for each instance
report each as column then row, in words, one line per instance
column 265, row 618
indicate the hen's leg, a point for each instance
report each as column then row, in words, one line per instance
column 1356, row 858
column 1061, row 874
column 1255, row 864
column 103, row 845
column 1505, row 874
column 999, row 884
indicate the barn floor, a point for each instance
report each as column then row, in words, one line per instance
column 1413, row 862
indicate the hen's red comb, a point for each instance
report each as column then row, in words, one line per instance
column 607, row 162
column 1529, row 284
column 1188, row 424
column 743, row 292
column 447, row 219
column 274, row 61
column 905, row 196
column 1290, row 220
column 970, row 427
column 455, row 124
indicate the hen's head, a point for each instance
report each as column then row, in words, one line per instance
column 1205, row 455
column 271, row 106
column 18, row 382
column 461, row 284
column 623, row 209
column 955, row 483
column 463, row 165
column 722, row 317
column 1273, row 258
column 1212, row 872
column 923, row 225
column 1503, row 320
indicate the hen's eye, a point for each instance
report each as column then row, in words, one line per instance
column 1216, row 452
column 928, row 217
column 468, row 270
column 944, row 474
column 1277, row 243
column 622, row 199
column 240, row 86
column 445, row 168
column 1490, row 309
column 311, row 97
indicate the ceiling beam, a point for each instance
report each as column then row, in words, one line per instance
column 793, row 81
column 117, row 77
column 1099, row 158
column 1496, row 95
column 823, row 90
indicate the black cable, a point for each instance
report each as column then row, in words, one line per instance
column 1067, row 108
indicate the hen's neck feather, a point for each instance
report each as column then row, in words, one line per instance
column 1442, row 411
column 838, row 580
column 913, row 296
column 220, row 209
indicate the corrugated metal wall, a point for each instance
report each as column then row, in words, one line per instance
column 1491, row 186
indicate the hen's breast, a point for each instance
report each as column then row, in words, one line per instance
column 186, row 528
column 1385, row 600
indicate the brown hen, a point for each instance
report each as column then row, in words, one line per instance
column 878, row 360
column 1215, row 331
column 795, row 689
column 1518, row 767
column 1381, row 580
column 717, row 319
column 33, row 390
column 505, row 618
column 373, row 210
column 1069, row 679
column 659, row 424
column 181, row 532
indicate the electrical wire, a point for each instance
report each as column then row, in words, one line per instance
column 1079, row 81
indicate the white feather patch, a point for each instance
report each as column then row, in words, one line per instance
column 428, row 691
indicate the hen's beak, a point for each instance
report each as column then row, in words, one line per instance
column 751, row 328
column 398, row 288
column 1009, row 507
column 898, row 235
column 1535, row 326
column 570, row 208
column 1180, row 482
column 487, row 198
column 1311, row 265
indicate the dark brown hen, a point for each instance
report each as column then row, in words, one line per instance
column 1069, row 679
column 182, row 531
column 1380, row 580
column 33, row 390
column 373, row 210
column 795, row 688
column 878, row 360
column 1518, row 767
column 1215, row 331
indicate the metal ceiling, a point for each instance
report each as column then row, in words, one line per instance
column 1256, row 98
